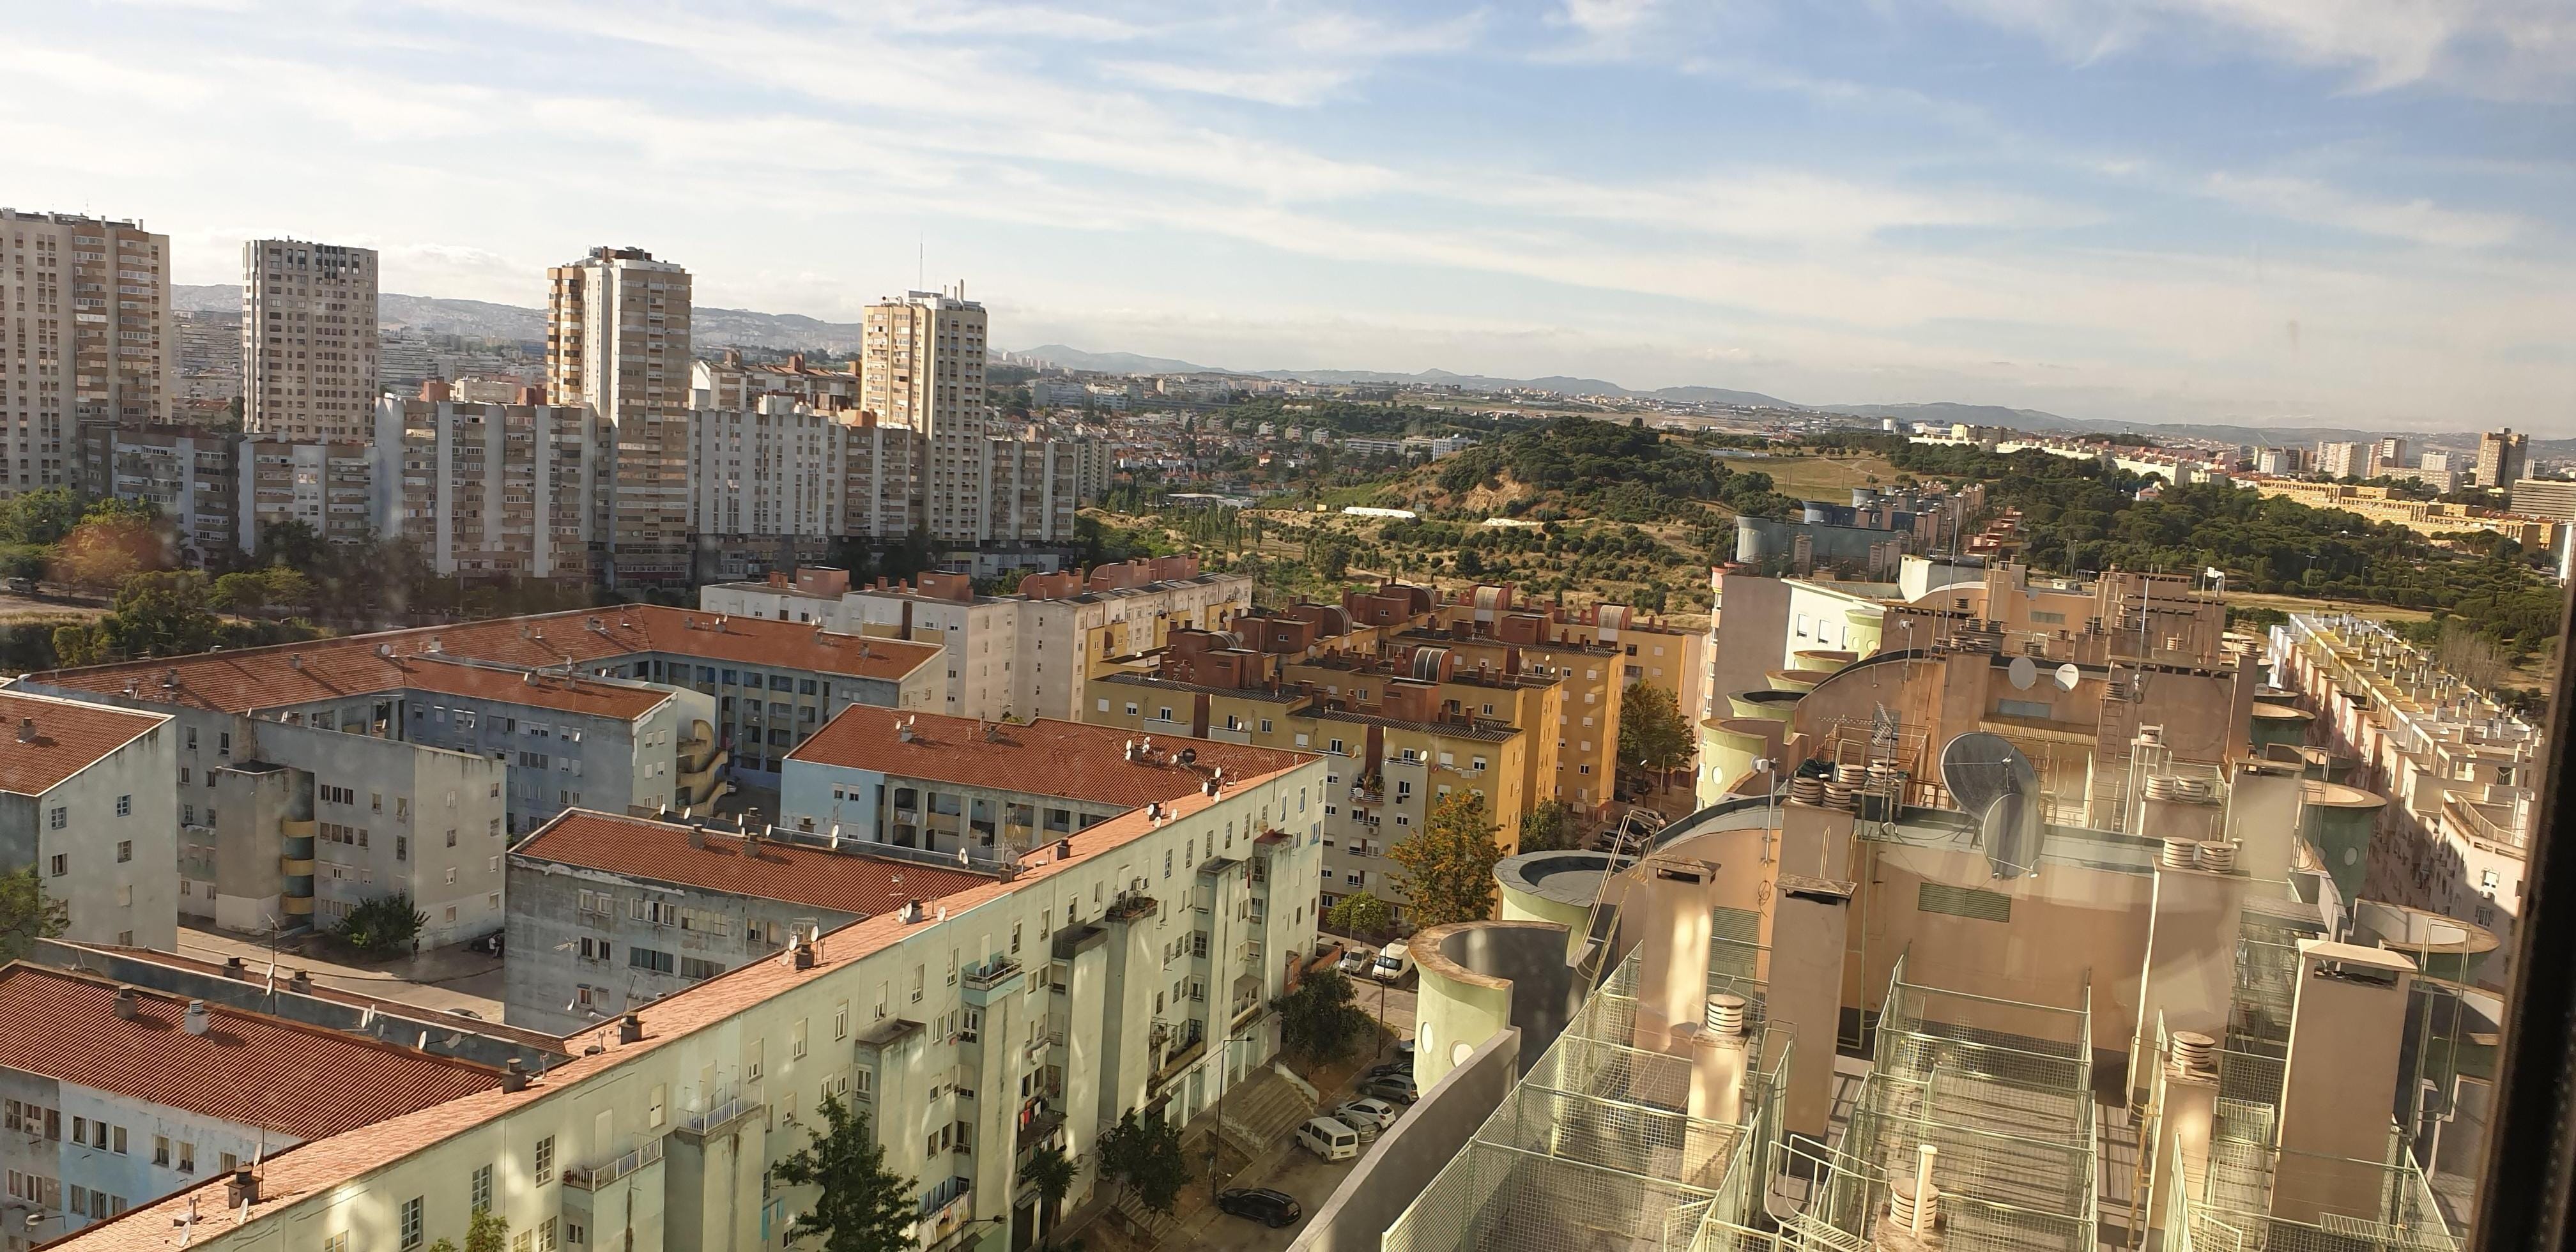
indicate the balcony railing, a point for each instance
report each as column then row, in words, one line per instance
column 723, row 1113
column 992, row 973
column 594, row 1177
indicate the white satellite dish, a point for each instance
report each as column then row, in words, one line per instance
column 2022, row 672
column 2068, row 676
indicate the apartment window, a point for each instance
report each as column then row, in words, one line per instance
column 187, row 1157
column 58, row 817
column 125, row 806
column 752, row 1063
column 546, row 1235
column 161, row 1150
column 60, row 864
column 545, row 1160
column 410, row 1221
column 124, row 851
column 482, row 1188
column 796, row 1039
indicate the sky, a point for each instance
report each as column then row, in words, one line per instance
column 2299, row 212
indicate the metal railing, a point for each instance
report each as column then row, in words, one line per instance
column 593, row 1177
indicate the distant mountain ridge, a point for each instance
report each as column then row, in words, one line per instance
column 1131, row 363
column 436, row 315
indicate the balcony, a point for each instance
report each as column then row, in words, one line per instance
column 995, row 977
column 594, row 1177
column 945, row 1210
column 723, row 1115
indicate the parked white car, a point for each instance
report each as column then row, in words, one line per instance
column 1374, row 1115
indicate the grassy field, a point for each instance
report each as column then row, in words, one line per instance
column 1827, row 478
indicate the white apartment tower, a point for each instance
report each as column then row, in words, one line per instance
column 922, row 366
column 617, row 339
column 84, row 336
column 308, row 340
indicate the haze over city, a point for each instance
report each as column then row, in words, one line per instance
column 2254, row 210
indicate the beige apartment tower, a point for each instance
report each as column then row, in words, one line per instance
column 84, row 336
column 922, row 366
column 308, row 340
column 2503, row 456
column 617, row 339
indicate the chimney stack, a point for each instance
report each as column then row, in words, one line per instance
column 514, row 1076
column 197, row 1019
column 124, row 1005
column 630, row 1029
column 242, row 1189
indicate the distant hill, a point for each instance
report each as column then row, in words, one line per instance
column 1131, row 363
column 1114, row 362
column 434, row 315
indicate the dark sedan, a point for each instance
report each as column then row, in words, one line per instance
column 1261, row 1204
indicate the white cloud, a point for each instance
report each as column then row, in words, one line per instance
column 2414, row 221
column 1299, row 85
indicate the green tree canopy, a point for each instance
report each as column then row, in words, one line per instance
column 1549, row 826
column 1051, row 1171
column 1652, row 731
column 27, row 914
column 1144, row 1155
column 1361, row 916
column 1447, row 870
column 1319, row 1021
column 862, row 1206
column 383, row 926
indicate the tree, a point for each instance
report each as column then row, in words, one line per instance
column 1145, row 1157
column 1051, row 1171
column 863, row 1206
column 1360, row 916
column 1318, row 1020
column 384, row 926
column 41, row 517
column 1447, row 871
column 485, row 1231
column 1652, row 731
column 1549, row 826
column 27, row 914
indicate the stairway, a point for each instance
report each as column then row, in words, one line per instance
column 1261, row 1110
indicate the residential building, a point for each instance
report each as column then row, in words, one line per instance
column 2551, row 498
column 2388, row 458
column 2503, row 456
column 117, row 1096
column 330, row 487
column 86, row 802
column 1131, row 971
column 2341, row 459
column 569, row 740
column 615, row 912
column 922, row 367
column 883, row 469
column 617, row 340
column 731, row 384
column 191, row 476
column 85, row 336
column 493, row 490
column 992, row 790
column 308, row 340
column 2449, row 779
column 2284, row 461
column 1027, row 655
column 767, row 487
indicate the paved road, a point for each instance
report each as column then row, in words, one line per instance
column 441, row 978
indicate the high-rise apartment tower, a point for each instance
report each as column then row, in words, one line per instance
column 617, row 339
column 2503, row 456
column 922, row 366
column 308, row 340
column 84, row 336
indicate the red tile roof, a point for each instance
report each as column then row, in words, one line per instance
column 318, row 1169
column 1071, row 759
column 69, row 736
column 296, row 673
column 247, row 1068
column 547, row 691
column 845, row 882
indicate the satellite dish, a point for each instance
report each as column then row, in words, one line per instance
column 1994, row 783
column 2023, row 672
column 2068, row 676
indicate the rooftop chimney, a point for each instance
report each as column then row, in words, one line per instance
column 197, row 1019
column 630, row 1029
column 514, row 1076
column 26, row 730
column 243, row 1188
column 124, row 1004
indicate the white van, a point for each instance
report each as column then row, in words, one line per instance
column 1329, row 1139
column 1393, row 964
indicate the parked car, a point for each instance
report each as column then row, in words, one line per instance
column 1329, row 1139
column 1376, row 1115
column 1401, row 1067
column 1270, row 1208
column 1392, row 964
column 1357, row 960
column 1397, row 1088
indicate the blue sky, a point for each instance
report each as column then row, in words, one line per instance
column 2348, row 212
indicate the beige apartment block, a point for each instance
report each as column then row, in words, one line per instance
column 84, row 336
column 492, row 490
column 922, row 366
column 617, row 339
column 308, row 340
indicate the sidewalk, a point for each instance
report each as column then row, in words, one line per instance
column 449, row 979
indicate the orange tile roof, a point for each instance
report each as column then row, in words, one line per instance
column 247, row 1068
column 69, row 737
column 297, row 673
column 547, row 691
column 845, row 882
column 318, row 1168
column 1075, row 760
